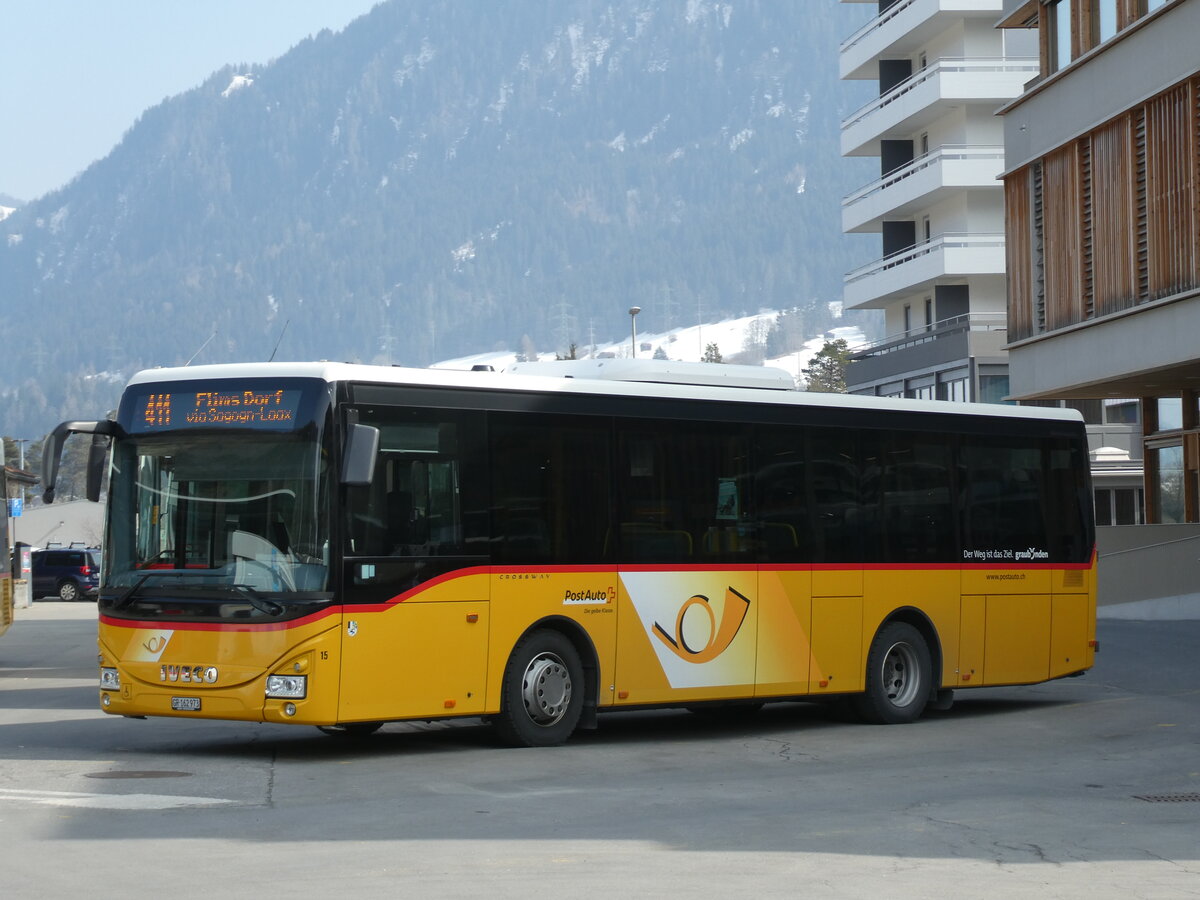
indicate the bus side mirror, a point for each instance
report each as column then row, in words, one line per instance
column 97, row 457
column 52, row 453
column 362, row 448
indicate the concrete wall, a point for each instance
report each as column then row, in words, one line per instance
column 1149, row 571
column 76, row 520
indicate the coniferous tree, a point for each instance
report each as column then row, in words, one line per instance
column 826, row 372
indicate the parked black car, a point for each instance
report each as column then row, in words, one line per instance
column 66, row 574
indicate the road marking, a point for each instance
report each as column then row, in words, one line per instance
column 81, row 800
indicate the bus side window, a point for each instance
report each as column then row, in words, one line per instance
column 427, row 496
column 683, row 492
column 545, row 471
column 1004, row 492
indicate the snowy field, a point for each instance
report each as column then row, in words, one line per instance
column 685, row 344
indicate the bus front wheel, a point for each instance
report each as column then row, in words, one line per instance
column 542, row 694
column 899, row 676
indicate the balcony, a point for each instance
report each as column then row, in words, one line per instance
column 924, row 182
column 942, row 344
column 919, row 268
column 914, row 337
column 929, row 94
column 904, row 28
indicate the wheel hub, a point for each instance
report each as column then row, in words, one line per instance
column 546, row 689
column 901, row 676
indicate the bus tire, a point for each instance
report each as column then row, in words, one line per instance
column 899, row 676
column 542, row 694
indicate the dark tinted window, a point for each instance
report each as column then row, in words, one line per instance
column 683, row 493
column 1003, row 493
column 806, row 495
column 906, row 492
column 550, row 488
column 1068, row 491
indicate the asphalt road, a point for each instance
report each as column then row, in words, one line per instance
column 1015, row 792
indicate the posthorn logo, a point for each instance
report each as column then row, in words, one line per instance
column 694, row 643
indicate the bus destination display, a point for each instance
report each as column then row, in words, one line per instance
column 256, row 408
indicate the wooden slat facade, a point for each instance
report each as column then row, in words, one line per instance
column 1120, row 217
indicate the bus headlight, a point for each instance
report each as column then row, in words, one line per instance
column 110, row 679
column 293, row 687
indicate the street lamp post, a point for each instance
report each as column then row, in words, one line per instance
column 633, row 311
column 21, row 442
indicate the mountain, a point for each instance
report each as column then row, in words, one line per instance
column 439, row 179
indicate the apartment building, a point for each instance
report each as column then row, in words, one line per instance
column 943, row 69
column 1102, row 196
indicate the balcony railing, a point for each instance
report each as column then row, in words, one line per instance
column 938, row 244
column 936, row 69
column 876, row 23
column 948, row 153
column 938, row 330
column 882, row 19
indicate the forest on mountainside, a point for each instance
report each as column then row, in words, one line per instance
column 441, row 179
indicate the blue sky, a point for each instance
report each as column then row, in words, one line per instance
column 76, row 74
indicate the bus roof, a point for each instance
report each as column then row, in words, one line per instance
column 629, row 378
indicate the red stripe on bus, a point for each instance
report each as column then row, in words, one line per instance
column 457, row 574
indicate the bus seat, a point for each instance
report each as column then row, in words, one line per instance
column 644, row 542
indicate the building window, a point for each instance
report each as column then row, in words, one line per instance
column 907, row 320
column 1105, row 19
column 922, row 387
column 993, row 389
column 1168, row 486
column 1152, row 5
column 952, row 386
column 1127, row 506
column 1121, row 412
column 1118, row 506
column 1091, row 410
column 1170, row 414
column 929, row 314
column 1060, row 34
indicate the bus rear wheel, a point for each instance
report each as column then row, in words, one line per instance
column 542, row 694
column 899, row 676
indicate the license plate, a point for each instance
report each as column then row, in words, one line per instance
column 185, row 704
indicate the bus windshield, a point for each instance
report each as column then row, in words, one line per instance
column 208, row 513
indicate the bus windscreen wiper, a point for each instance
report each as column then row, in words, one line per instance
column 128, row 594
column 257, row 600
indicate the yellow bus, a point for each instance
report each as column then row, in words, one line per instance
column 342, row 546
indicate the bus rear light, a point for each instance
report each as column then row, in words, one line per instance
column 294, row 687
column 1095, row 645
